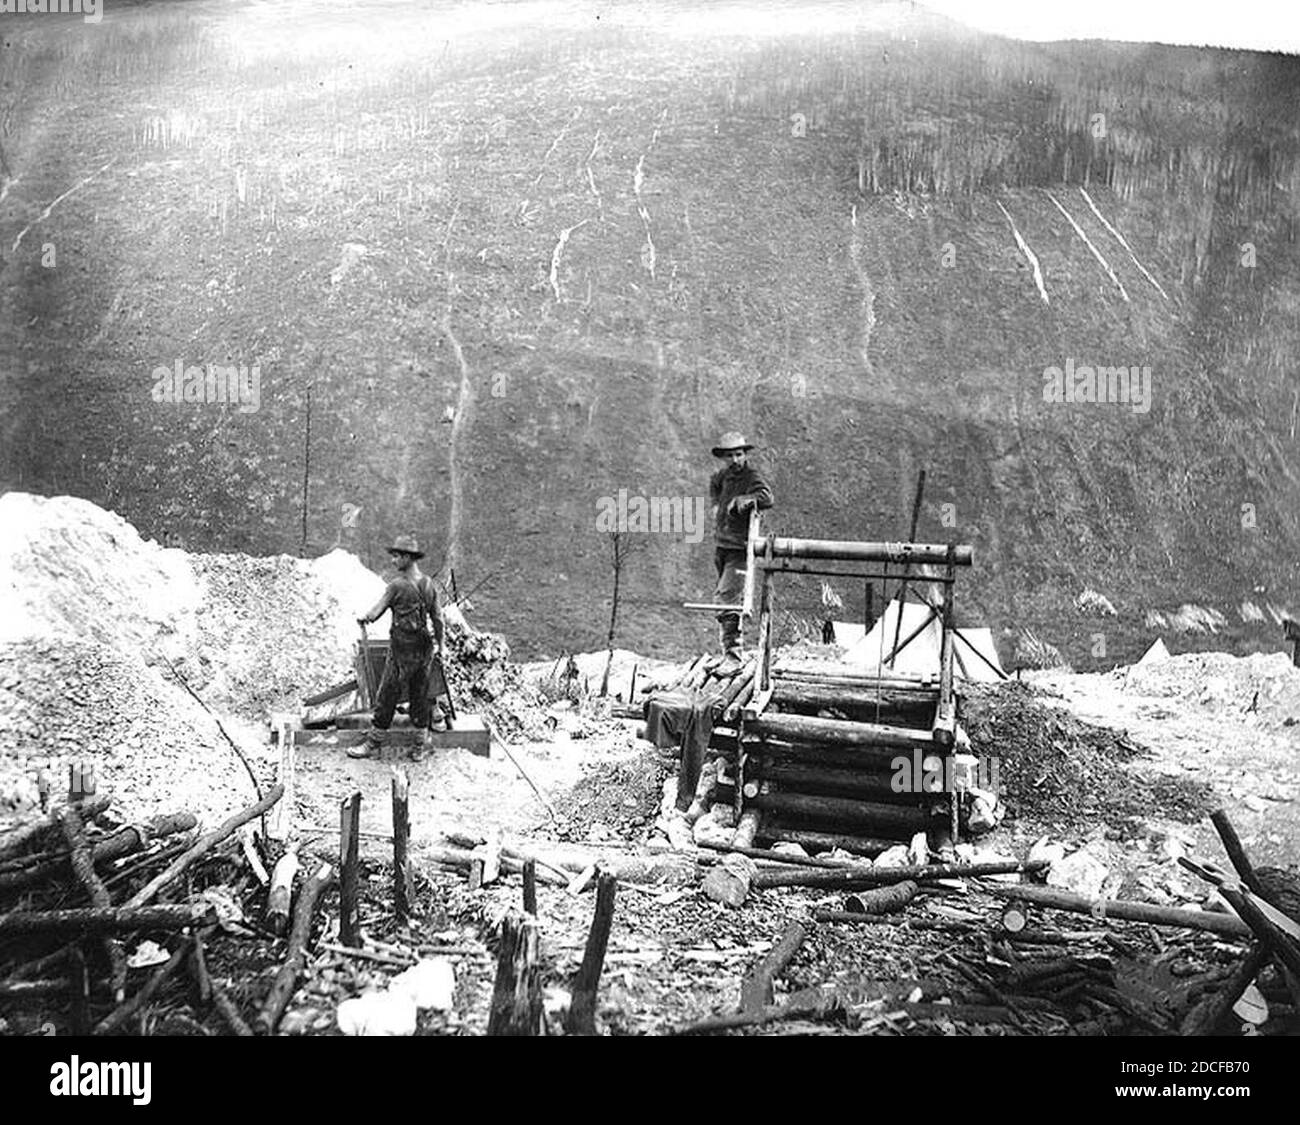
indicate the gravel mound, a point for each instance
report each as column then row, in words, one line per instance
column 1265, row 683
column 1058, row 771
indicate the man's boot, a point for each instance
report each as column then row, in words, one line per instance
column 371, row 748
column 729, row 637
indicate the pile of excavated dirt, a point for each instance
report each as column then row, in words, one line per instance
column 102, row 632
column 1067, row 775
column 151, row 745
column 1264, row 684
column 617, row 796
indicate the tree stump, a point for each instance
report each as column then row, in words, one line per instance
column 517, row 995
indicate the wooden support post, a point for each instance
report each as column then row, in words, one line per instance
column 517, row 995
column 763, row 675
column 403, row 886
column 586, row 984
column 474, row 877
column 530, row 886
column 349, row 864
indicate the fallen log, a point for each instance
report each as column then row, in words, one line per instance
column 1102, row 909
column 210, row 990
column 125, row 841
column 268, row 1017
column 19, row 839
column 204, row 844
column 100, row 920
column 881, row 876
column 881, row 900
column 785, row 858
column 280, row 896
column 1236, row 853
column 586, row 983
column 83, row 868
column 757, row 991
column 517, row 992
column 869, row 846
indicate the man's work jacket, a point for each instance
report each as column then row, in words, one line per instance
column 731, row 529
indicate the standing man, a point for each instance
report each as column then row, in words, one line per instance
column 734, row 491
column 413, row 599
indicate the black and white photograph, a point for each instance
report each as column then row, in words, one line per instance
column 693, row 519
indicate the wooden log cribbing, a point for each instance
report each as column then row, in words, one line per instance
column 517, row 993
column 349, row 870
column 21, row 839
column 882, row 876
column 286, row 980
column 1227, row 924
column 202, row 846
column 581, row 1019
column 757, row 990
column 842, row 732
column 845, row 812
column 403, row 881
column 848, row 550
column 881, row 900
column 790, row 693
column 776, row 831
column 106, row 849
column 99, row 920
column 742, row 679
column 907, row 687
column 83, row 867
column 1205, row 1017
column 818, row 780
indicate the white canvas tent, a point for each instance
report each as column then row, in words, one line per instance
column 921, row 655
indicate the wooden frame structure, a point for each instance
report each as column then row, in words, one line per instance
column 794, row 772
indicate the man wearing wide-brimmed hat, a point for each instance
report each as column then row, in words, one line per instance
column 734, row 490
column 417, row 627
